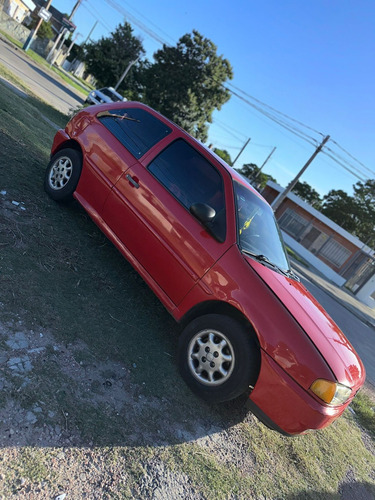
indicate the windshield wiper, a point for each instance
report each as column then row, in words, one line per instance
column 263, row 258
column 292, row 274
column 113, row 115
column 260, row 257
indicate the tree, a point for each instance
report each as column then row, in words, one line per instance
column 364, row 196
column 77, row 52
column 342, row 209
column 355, row 213
column 185, row 83
column 223, row 153
column 108, row 58
column 307, row 193
column 45, row 30
column 256, row 177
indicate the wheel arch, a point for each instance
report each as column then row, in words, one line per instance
column 223, row 308
column 69, row 144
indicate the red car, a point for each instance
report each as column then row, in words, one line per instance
column 209, row 247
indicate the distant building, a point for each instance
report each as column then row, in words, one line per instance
column 59, row 20
column 18, row 9
column 339, row 255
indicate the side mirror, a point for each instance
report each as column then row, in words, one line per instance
column 203, row 212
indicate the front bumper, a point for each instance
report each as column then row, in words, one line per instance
column 283, row 405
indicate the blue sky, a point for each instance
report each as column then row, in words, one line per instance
column 311, row 60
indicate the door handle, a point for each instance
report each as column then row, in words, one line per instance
column 132, row 181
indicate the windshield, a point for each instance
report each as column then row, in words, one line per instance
column 258, row 231
column 111, row 94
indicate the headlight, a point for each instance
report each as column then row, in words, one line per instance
column 332, row 393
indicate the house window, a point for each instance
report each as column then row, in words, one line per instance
column 292, row 223
column 335, row 253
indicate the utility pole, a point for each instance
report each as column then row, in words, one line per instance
column 265, row 161
column 78, row 3
column 243, row 147
column 88, row 36
column 33, row 33
column 50, row 58
column 70, row 48
column 126, row 72
column 279, row 199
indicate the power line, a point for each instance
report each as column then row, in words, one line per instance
column 278, row 117
column 150, row 22
column 343, row 166
column 225, row 124
column 98, row 16
column 136, row 21
column 291, row 128
column 353, row 157
column 227, row 130
column 274, row 109
column 218, row 143
column 340, row 158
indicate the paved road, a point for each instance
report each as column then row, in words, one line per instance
column 41, row 82
column 359, row 334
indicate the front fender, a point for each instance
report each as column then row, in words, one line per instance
column 60, row 138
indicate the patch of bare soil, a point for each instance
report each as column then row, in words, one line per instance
column 47, row 451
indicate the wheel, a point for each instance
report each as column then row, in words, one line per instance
column 62, row 174
column 218, row 358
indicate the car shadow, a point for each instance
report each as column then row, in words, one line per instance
column 356, row 490
column 101, row 370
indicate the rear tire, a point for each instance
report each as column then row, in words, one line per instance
column 218, row 358
column 62, row 174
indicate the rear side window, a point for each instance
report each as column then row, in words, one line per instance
column 139, row 133
column 192, row 179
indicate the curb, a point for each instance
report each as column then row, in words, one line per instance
column 370, row 322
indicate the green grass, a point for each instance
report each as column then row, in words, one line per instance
column 58, row 272
column 14, row 41
column 364, row 408
column 301, row 467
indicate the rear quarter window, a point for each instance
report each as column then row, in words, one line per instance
column 139, row 133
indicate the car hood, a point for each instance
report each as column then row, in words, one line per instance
column 317, row 324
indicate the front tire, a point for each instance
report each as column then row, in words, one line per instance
column 62, row 174
column 218, row 358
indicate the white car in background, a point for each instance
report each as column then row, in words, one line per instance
column 106, row 94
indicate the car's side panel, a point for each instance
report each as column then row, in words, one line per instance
column 232, row 281
column 126, row 253
column 168, row 241
column 105, row 160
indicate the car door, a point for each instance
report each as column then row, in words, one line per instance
column 148, row 210
column 113, row 141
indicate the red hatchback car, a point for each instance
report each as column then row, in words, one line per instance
column 209, row 246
